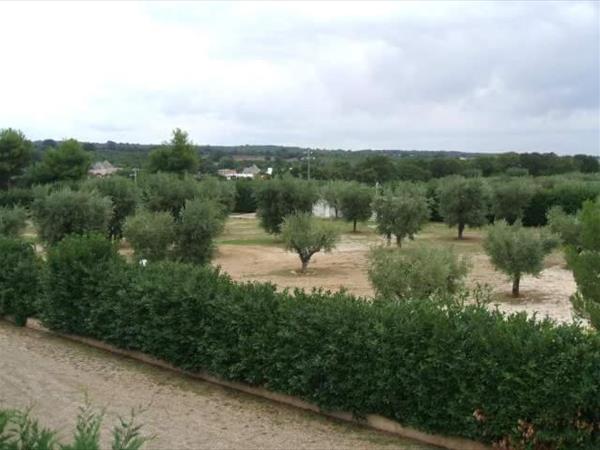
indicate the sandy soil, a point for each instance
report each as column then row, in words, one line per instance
column 53, row 375
column 346, row 267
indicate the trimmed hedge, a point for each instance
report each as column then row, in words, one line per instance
column 19, row 279
column 439, row 367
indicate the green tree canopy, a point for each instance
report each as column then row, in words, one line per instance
column 511, row 197
column 15, row 154
column 516, row 250
column 305, row 235
column 167, row 192
column 68, row 162
column 150, row 234
column 177, row 156
column 281, row 197
column 355, row 203
column 463, row 201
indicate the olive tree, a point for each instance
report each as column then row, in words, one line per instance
column 220, row 191
column 402, row 213
column 150, row 234
column 416, row 273
column 65, row 212
column 124, row 196
column 463, row 202
column 281, row 197
column 306, row 236
column 516, row 250
column 510, row 198
column 583, row 257
column 332, row 193
column 12, row 221
column 201, row 222
column 167, row 192
column 16, row 153
column 355, row 203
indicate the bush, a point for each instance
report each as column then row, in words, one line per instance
column 462, row 371
column 517, row 251
column 12, row 221
column 78, row 275
column 123, row 194
column 306, row 236
column 65, row 212
column 151, row 234
column 19, row 279
column 16, row 197
column 416, row 273
column 281, row 197
column 201, row 222
column 166, row 192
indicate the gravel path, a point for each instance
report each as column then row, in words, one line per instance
column 54, row 375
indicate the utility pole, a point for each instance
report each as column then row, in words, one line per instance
column 135, row 171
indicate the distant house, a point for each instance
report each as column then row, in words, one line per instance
column 230, row 174
column 252, row 170
column 102, row 169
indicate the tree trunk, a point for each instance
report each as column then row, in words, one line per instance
column 461, row 229
column 388, row 238
column 515, row 286
column 304, row 265
column 354, row 230
column 398, row 241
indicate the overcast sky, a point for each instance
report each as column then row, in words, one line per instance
column 472, row 76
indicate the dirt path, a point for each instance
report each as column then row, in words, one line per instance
column 54, row 374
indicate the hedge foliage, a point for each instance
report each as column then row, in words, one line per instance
column 438, row 366
column 19, row 279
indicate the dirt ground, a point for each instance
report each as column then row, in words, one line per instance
column 53, row 375
column 248, row 254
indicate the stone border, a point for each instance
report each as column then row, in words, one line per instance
column 374, row 421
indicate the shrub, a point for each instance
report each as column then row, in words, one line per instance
column 19, row 279
column 12, row 221
column 307, row 236
column 78, row 275
column 516, row 250
column 462, row 202
column 463, row 371
column 416, row 273
column 65, row 212
column 281, row 197
column 583, row 256
column 167, row 192
column 151, row 234
column 16, row 197
column 201, row 222
column 123, row 194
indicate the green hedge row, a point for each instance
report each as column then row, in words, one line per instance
column 441, row 368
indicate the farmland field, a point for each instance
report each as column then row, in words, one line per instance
column 53, row 375
column 246, row 252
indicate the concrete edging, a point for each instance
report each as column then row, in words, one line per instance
column 374, row 421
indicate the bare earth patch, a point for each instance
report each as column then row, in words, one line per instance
column 53, row 375
column 346, row 268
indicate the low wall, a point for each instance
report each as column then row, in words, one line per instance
column 372, row 420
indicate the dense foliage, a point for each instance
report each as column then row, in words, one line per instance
column 19, row 431
column 68, row 162
column 167, row 192
column 19, row 279
column 245, row 200
column 440, row 367
column 12, row 221
column 176, row 156
column 150, row 234
column 355, row 203
column 511, row 197
column 63, row 212
column 281, row 197
column 583, row 256
column 516, row 250
column 402, row 212
column 463, row 201
column 303, row 234
column 416, row 273
column 16, row 153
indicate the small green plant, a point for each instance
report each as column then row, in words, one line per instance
column 416, row 273
column 306, row 236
